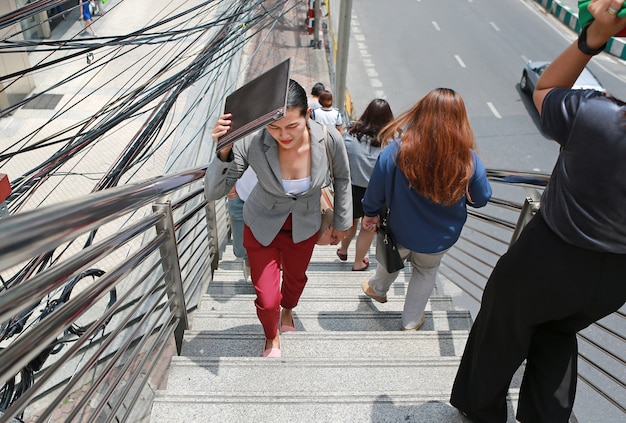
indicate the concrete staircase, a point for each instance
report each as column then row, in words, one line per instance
column 348, row 362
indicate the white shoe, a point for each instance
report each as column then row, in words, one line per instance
column 246, row 270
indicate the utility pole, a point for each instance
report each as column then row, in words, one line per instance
column 343, row 42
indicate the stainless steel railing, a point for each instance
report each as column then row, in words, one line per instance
column 158, row 241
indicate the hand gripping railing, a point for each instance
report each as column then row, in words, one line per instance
column 487, row 235
column 153, row 258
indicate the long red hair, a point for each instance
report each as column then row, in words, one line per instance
column 435, row 153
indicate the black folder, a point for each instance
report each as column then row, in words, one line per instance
column 257, row 103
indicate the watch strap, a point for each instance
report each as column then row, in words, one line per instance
column 582, row 44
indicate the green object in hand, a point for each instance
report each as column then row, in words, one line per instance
column 584, row 16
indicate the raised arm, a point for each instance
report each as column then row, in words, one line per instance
column 222, row 126
column 565, row 69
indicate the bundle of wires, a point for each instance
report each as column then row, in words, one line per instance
column 177, row 49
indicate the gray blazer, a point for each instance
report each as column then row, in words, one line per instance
column 268, row 206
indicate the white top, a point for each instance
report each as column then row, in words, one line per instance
column 328, row 117
column 246, row 184
column 296, row 186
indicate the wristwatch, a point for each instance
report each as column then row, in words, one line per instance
column 582, row 44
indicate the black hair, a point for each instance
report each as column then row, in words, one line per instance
column 296, row 98
column 376, row 116
column 317, row 89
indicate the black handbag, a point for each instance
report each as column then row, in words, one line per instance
column 387, row 253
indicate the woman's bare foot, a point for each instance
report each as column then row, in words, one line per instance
column 272, row 347
column 287, row 323
column 273, row 343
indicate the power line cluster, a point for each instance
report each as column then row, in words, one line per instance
column 176, row 51
column 188, row 45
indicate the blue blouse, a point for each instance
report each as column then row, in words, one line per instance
column 416, row 222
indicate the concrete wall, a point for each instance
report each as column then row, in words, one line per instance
column 13, row 62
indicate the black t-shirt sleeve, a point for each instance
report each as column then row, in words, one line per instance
column 559, row 110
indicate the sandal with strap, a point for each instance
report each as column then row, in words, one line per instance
column 342, row 257
column 366, row 261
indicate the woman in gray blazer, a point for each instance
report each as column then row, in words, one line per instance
column 282, row 214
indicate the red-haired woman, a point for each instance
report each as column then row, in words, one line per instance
column 437, row 174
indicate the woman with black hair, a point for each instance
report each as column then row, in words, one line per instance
column 282, row 213
column 363, row 147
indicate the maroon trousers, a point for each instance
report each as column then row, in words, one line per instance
column 265, row 263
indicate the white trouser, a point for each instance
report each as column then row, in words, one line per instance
column 421, row 284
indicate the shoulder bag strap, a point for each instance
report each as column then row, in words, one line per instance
column 329, row 156
column 393, row 179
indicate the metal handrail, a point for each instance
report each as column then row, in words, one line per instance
column 35, row 232
column 150, row 310
column 518, row 178
column 153, row 295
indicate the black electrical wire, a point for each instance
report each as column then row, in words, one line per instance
column 234, row 27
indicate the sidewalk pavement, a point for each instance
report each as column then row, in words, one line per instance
column 289, row 39
column 566, row 11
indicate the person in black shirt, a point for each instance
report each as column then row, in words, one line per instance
column 567, row 268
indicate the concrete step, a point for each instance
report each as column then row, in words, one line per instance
column 317, row 303
column 232, row 284
column 334, row 321
column 318, row 262
column 319, row 265
column 324, row 272
column 324, row 258
column 247, row 375
column 323, row 407
column 339, row 345
column 326, row 253
column 332, row 274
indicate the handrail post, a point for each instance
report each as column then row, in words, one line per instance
column 529, row 209
column 171, row 269
column 214, row 242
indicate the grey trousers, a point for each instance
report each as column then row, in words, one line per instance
column 423, row 278
column 98, row 7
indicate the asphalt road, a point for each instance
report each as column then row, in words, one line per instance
column 477, row 48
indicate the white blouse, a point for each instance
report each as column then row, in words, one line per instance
column 296, row 186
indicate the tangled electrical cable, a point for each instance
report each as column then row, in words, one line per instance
column 234, row 27
column 176, row 51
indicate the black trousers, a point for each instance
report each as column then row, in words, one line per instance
column 541, row 292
